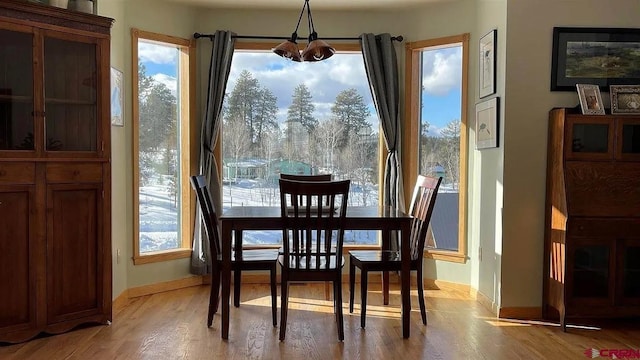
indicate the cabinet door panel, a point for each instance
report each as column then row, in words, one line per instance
column 74, row 251
column 16, row 91
column 589, row 138
column 628, row 139
column 17, row 277
column 590, row 272
column 629, row 270
column 70, row 81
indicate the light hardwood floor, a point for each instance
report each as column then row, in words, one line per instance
column 172, row 325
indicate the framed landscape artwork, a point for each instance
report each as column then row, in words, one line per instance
column 625, row 99
column 487, row 124
column 487, row 66
column 600, row 56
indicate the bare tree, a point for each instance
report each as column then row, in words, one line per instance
column 327, row 136
column 450, row 152
column 237, row 142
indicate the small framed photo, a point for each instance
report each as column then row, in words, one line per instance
column 487, row 124
column 625, row 99
column 487, row 66
column 117, row 97
column 590, row 99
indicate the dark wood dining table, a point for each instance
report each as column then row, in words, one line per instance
column 385, row 219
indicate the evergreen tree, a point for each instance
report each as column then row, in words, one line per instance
column 266, row 112
column 241, row 104
column 158, row 118
column 301, row 108
column 351, row 110
column 252, row 105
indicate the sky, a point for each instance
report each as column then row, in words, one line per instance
column 325, row 79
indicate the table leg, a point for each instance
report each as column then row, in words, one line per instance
column 226, row 275
column 386, row 239
column 405, row 277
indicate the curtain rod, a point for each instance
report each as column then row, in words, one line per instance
column 398, row 38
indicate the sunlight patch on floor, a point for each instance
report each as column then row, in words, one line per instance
column 515, row 322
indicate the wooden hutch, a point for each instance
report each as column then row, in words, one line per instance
column 592, row 222
column 55, row 171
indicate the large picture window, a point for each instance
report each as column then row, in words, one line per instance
column 161, row 161
column 298, row 118
column 437, row 135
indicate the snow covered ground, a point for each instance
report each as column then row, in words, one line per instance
column 159, row 216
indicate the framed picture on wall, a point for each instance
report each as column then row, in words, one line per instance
column 487, row 66
column 117, row 97
column 487, row 124
column 600, row 56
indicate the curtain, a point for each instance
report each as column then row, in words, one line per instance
column 381, row 65
column 221, row 55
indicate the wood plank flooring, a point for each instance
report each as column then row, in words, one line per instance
column 172, row 325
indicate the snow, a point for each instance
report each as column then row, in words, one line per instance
column 159, row 216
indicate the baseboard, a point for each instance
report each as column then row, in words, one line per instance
column 120, row 301
column 165, row 286
column 489, row 304
column 521, row 313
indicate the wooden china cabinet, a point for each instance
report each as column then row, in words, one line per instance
column 592, row 226
column 55, row 202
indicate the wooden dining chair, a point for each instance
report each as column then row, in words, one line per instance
column 317, row 177
column 313, row 215
column 422, row 203
column 240, row 259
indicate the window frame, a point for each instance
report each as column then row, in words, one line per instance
column 188, row 139
column 353, row 47
column 411, row 134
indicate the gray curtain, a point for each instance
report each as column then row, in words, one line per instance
column 221, row 55
column 381, row 64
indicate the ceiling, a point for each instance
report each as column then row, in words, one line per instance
column 315, row 4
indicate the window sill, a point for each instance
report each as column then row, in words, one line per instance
column 161, row 256
column 450, row 256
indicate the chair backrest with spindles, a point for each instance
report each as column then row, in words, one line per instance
column 422, row 204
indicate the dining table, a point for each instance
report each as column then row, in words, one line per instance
column 388, row 220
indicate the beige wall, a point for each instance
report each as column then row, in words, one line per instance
column 528, row 101
column 120, row 148
column 486, row 166
column 506, row 185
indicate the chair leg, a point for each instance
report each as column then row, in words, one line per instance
column 274, row 296
column 352, row 282
column 337, row 294
column 363, row 296
column 423, row 310
column 214, row 296
column 237, row 275
column 284, row 305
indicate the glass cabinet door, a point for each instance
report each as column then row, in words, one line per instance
column 16, row 92
column 70, row 95
column 629, row 262
column 628, row 139
column 589, row 138
column 589, row 272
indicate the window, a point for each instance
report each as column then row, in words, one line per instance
column 161, row 132
column 436, row 136
column 298, row 118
